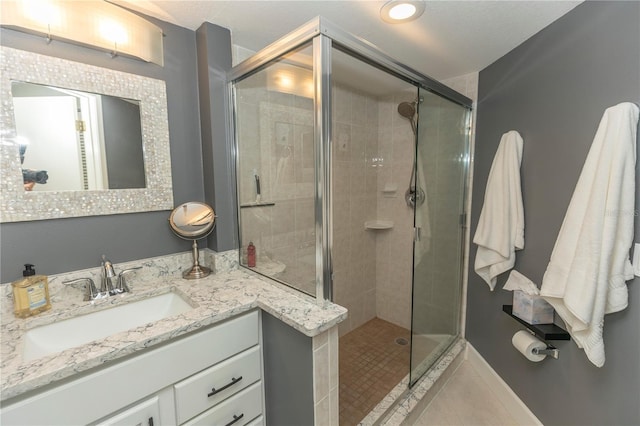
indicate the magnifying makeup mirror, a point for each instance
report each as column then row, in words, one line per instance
column 193, row 221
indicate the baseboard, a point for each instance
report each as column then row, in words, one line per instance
column 514, row 405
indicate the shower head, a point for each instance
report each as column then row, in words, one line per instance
column 407, row 109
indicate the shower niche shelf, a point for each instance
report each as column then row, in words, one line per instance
column 378, row 225
column 543, row 331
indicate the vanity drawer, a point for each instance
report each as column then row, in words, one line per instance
column 209, row 387
column 145, row 413
column 238, row 410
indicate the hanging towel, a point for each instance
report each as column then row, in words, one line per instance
column 500, row 229
column 585, row 278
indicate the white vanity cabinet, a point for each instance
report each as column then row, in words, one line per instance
column 210, row 372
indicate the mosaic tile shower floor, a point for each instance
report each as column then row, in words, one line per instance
column 371, row 365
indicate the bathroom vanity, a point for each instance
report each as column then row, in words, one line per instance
column 222, row 355
column 205, row 365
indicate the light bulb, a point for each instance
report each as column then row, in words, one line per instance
column 399, row 11
column 113, row 31
column 402, row 11
column 42, row 12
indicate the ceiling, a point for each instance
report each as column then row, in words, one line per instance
column 451, row 38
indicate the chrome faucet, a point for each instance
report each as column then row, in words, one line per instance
column 110, row 283
column 107, row 277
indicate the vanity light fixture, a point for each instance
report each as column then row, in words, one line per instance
column 400, row 11
column 94, row 23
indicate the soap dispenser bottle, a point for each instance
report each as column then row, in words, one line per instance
column 31, row 293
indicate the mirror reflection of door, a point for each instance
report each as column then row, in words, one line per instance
column 47, row 126
column 84, row 141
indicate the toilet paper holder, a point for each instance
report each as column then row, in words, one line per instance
column 550, row 351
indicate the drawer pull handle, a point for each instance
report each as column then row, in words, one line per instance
column 235, row 419
column 233, row 382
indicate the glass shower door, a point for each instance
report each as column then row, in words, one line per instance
column 440, row 173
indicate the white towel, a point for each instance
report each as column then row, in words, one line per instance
column 500, row 229
column 590, row 263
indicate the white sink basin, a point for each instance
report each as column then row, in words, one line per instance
column 58, row 336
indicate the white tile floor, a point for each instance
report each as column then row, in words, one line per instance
column 466, row 400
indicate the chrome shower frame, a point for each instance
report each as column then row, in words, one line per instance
column 324, row 35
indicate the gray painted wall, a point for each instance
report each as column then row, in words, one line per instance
column 214, row 60
column 288, row 374
column 554, row 89
column 68, row 244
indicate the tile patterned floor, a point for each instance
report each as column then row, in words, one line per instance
column 371, row 364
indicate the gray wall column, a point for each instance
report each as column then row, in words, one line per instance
column 288, row 374
column 214, row 60
column 553, row 89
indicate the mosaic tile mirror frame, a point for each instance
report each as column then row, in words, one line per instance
column 18, row 205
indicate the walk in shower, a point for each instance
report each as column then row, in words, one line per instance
column 351, row 172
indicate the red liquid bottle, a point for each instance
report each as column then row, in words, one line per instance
column 251, row 255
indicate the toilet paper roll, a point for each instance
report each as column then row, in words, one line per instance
column 525, row 342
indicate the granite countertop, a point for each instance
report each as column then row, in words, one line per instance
column 229, row 292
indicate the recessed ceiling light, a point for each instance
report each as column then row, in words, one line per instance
column 398, row 11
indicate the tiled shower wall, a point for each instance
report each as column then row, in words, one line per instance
column 394, row 246
column 372, row 161
column 437, row 293
column 355, row 184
